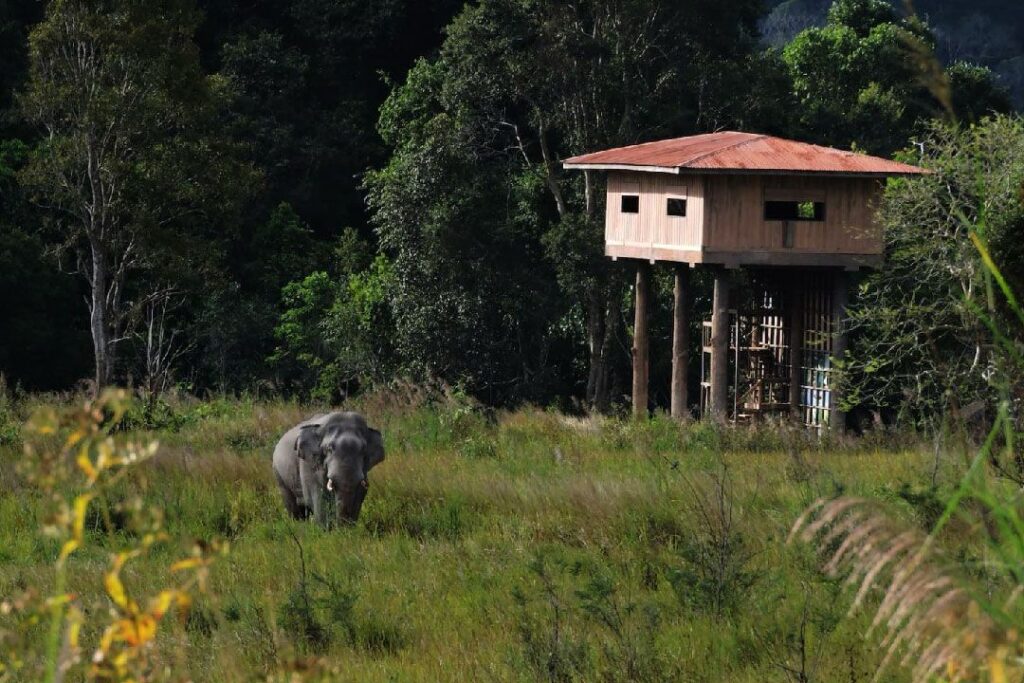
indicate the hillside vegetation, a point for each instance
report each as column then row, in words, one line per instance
column 988, row 32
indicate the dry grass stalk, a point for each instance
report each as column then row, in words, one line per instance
column 930, row 621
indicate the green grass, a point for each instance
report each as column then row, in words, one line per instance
column 511, row 547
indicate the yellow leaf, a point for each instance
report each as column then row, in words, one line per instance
column 69, row 547
column 121, row 662
column 85, row 464
column 145, row 629
column 119, row 631
column 997, row 667
column 187, row 563
column 77, row 523
column 115, row 589
column 74, row 438
column 159, row 605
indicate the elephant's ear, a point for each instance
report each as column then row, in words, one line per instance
column 307, row 443
column 374, row 448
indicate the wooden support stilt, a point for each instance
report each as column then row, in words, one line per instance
column 840, row 300
column 796, row 351
column 681, row 342
column 641, row 365
column 720, row 347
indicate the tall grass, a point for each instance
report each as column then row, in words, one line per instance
column 939, row 615
column 510, row 546
column 75, row 461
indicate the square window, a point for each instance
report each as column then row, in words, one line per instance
column 676, row 206
column 630, row 203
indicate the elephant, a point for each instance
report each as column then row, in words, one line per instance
column 323, row 462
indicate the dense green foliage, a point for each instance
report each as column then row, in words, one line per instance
column 856, row 86
column 132, row 175
column 499, row 274
column 989, row 33
column 929, row 324
column 313, row 197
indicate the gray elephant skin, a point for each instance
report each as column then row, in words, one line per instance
column 321, row 466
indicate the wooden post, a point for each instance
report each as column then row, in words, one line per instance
column 720, row 347
column 681, row 342
column 796, row 350
column 641, row 365
column 840, row 341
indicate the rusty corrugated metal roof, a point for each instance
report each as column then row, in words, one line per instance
column 732, row 151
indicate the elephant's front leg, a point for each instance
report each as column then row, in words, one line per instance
column 319, row 504
column 314, row 492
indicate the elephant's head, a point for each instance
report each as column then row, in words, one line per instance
column 342, row 449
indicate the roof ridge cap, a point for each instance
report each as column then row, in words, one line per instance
column 754, row 138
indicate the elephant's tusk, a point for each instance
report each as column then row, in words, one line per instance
column 330, row 484
column 365, row 484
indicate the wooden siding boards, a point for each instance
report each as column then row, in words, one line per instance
column 653, row 230
column 725, row 222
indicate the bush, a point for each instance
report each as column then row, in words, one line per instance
column 10, row 430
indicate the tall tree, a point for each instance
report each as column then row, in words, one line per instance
column 128, row 163
column 474, row 198
column 869, row 79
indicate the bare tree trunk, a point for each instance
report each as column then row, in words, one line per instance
column 160, row 341
column 595, row 337
column 99, row 316
column 551, row 174
column 600, row 325
column 608, row 386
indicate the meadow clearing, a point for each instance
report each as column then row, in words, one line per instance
column 505, row 546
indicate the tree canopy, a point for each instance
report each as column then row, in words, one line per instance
column 868, row 79
column 312, row 197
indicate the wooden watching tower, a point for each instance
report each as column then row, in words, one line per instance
column 796, row 217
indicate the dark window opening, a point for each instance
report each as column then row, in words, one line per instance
column 794, row 211
column 676, row 207
column 630, row 203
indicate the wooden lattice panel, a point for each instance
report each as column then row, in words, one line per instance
column 760, row 351
column 815, row 390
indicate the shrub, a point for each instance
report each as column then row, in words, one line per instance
column 76, row 459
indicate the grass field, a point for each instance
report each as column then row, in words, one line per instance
column 514, row 546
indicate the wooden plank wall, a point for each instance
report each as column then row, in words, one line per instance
column 653, row 227
column 735, row 214
column 621, row 228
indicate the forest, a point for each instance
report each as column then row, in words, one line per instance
column 313, row 198
column 219, row 219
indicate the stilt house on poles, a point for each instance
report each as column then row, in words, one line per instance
column 798, row 218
